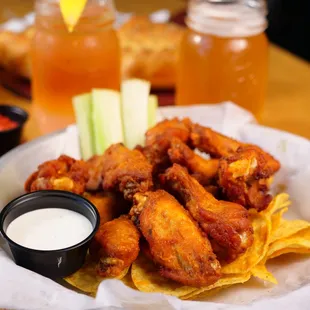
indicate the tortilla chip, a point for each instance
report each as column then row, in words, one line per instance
column 204, row 295
column 298, row 243
column 288, row 228
column 295, row 250
column 146, row 278
column 277, row 203
column 127, row 280
column 260, row 271
column 276, row 220
column 254, row 254
column 225, row 281
column 86, row 279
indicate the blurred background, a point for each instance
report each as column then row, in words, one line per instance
column 289, row 20
column 149, row 52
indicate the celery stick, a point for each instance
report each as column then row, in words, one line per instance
column 135, row 95
column 82, row 110
column 152, row 110
column 107, row 122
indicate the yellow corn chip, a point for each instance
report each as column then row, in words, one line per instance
column 278, row 202
column 127, row 280
column 276, row 220
column 146, row 278
column 260, row 271
column 204, row 295
column 226, row 280
column 254, row 254
column 86, row 279
column 295, row 250
column 300, row 240
column 288, row 228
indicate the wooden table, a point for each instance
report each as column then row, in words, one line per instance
column 288, row 98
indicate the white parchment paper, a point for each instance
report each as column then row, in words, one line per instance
column 23, row 289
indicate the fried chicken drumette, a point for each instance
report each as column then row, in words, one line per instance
column 225, row 223
column 158, row 138
column 116, row 246
column 126, row 171
column 95, row 167
column 176, row 244
column 244, row 177
column 203, row 170
column 110, row 205
column 64, row 173
column 244, row 169
column 211, row 142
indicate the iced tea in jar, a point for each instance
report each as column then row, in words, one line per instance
column 66, row 63
column 223, row 54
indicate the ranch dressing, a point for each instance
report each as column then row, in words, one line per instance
column 49, row 229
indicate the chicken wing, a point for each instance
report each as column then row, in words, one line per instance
column 244, row 168
column 226, row 223
column 126, row 170
column 157, row 140
column 116, row 245
column 64, row 173
column 244, row 176
column 175, row 242
column 203, row 170
column 110, row 205
column 212, row 142
column 95, row 167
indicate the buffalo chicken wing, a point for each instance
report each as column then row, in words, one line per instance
column 110, row 205
column 115, row 246
column 244, row 177
column 211, row 142
column 64, row 173
column 203, row 170
column 176, row 244
column 225, row 223
column 126, row 171
column 158, row 138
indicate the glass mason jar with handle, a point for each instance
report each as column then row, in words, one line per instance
column 66, row 63
column 223, row 54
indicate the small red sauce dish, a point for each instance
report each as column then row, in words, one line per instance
column 12, row 120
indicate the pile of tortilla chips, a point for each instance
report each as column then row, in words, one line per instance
column 273, row 236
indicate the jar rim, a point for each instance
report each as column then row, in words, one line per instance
column 101, row 13
column 235, row 19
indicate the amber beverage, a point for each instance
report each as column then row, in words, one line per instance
column 67, row 64
column 224, row 55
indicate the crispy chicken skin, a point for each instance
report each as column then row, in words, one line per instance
column 110, row 205
column 116, row 245
column 168, row 129
column 243, row 170
column 126, row 171
column 95, row 167
column 244, row 176
column 176, row 243
column 212, row 142
column 226, row 224
column 203, row 170
column 64, row 173
column 158, row 138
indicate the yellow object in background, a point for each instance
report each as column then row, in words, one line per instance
column 71, row 11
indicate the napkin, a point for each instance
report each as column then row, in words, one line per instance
column 23, row 289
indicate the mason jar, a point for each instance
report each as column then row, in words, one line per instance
column 66, row 63
column 223, row 54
